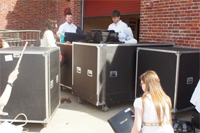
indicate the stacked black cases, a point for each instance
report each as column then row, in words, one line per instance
column 104, row 74
column 66, row 69
column 36, row 92
column 178, row 69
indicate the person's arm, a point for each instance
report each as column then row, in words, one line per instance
column 58, row 35
column 131, row 41
column 122, row 34
column 50, row 38
column 59, row 32
column 138, row 121
column 6, row 94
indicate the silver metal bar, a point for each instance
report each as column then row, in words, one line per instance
column 176, row 81
column 98, row 85
column 136, row 69
column 72, row 64
column 82, row 14
column 14, row 31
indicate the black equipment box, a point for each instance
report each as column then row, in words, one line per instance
column 36, row 92
column 66, row 69
column 178, row 69
column 104, row 74
column 74, row 37
column 196, row 120
column 102, row 36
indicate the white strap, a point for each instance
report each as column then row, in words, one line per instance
column 18, row 116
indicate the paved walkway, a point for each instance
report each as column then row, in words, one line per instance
column 84, row 118
column 79, row 118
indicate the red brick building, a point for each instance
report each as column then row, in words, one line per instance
column 31, row 14
column 176, row 21
column 172, row 21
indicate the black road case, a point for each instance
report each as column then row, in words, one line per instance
column 66, row 69
column 104, row 74
column 36, row 92
column 178, row 69
column 196, row 120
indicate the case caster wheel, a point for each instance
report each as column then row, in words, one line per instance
column 105, row 108
column 80, row 100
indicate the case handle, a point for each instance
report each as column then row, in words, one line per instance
column 78, row 69
column 89, row 73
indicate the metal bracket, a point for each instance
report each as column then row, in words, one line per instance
column 78, row 69
column 113, row 74
column 89, row 73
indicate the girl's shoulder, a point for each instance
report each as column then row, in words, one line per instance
column 48, row 31
column 138, row 99
column 138, row 103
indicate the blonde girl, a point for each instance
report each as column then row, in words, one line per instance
column 153, row 109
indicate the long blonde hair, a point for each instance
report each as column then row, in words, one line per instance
column 159, row 97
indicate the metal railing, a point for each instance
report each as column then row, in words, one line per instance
column 18, row 37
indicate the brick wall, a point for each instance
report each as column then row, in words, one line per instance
column 26, row 14
column 5, row 9
column 173, row 21
column 31, row 14
column 77, row 12
column 75, row 6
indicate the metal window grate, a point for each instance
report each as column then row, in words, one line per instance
column 18, row 37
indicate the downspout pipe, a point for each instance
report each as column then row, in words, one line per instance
column 82, row 13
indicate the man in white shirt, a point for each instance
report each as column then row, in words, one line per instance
column 68, row 26
column 124, row 32
column 117, row 25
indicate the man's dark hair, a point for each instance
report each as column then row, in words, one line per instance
column 115, row 13
column 68, row 13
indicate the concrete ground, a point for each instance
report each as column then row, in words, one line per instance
column 84, row 118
